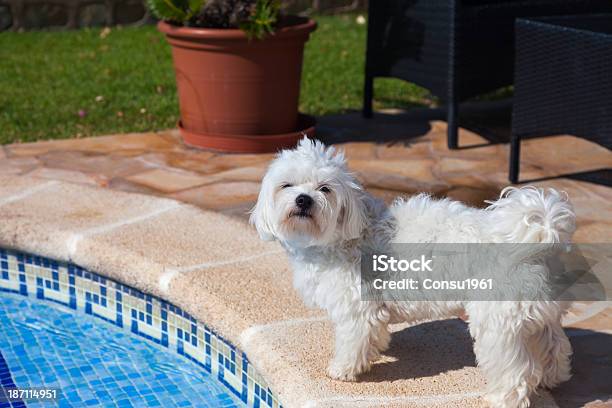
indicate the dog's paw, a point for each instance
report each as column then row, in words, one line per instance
column 342, row 372
column 511, row 399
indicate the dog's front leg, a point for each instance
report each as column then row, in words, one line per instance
column 359, row 337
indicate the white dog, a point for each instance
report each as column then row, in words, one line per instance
column 316, row 208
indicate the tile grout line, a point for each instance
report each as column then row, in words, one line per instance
column 75, row 238
column 207, row 265
column 247, row 335
column 27, row 192
column 170, row 273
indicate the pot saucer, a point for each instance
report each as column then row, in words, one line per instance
column 250, row 143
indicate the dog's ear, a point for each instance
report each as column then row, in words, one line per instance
column 353, row 216
column 261, row 216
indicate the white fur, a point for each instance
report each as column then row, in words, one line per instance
column 519, row 345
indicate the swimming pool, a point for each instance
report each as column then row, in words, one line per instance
column 99, row 343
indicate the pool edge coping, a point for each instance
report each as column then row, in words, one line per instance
column 17, row 235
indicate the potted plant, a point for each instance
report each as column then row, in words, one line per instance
column 238, row 66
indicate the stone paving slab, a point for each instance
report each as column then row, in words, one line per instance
column 185, row 237
column 56, row 214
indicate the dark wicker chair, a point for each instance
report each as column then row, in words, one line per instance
column 457, row 49
column 563, row 80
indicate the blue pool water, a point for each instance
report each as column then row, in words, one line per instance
column 93, row 363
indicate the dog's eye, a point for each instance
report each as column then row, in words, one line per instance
column 286, row 185
column 324, row 189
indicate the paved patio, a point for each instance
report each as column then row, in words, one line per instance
column 158, row 164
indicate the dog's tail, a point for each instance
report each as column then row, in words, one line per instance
column 532, row 215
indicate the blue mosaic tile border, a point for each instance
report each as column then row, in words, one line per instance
column 6, row 381
column 144, row 315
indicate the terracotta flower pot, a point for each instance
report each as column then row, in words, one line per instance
column 232, row 90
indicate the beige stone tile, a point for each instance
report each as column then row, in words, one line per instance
column 32, row 149
column 46, row 221
column 601, row 322
column 18, row 165
column 431, row 359
column 69, row 176
column 184, row 237
column 127, row 263
column 121, row 184
column 453, row 167
column 221, row 195
column 266, row 280
column 417, row 169
column 414, row 176
column 11, row 185
column 203, row 161
column 593, row 231
column 240, row 211
column 105, row 165
column 186, row 159
column 250, row 173
column 565, row 154
column 129, row 144
column 361, row 151
column 419, row 148
column 229, row 161
column 167, row 180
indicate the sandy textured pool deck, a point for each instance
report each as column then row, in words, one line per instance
column 147, row 211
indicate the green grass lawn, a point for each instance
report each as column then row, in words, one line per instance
column 92, row 82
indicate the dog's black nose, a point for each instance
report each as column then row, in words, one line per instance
column 303, row 201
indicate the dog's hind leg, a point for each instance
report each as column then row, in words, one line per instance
column 379, row 335
column 511, row 365
column 556, row 352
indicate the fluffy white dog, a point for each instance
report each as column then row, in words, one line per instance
column 316, row 208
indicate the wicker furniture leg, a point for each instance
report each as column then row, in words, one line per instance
column 368, row 85
column 515, row 158
column 452, row 116
column 368, row 94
